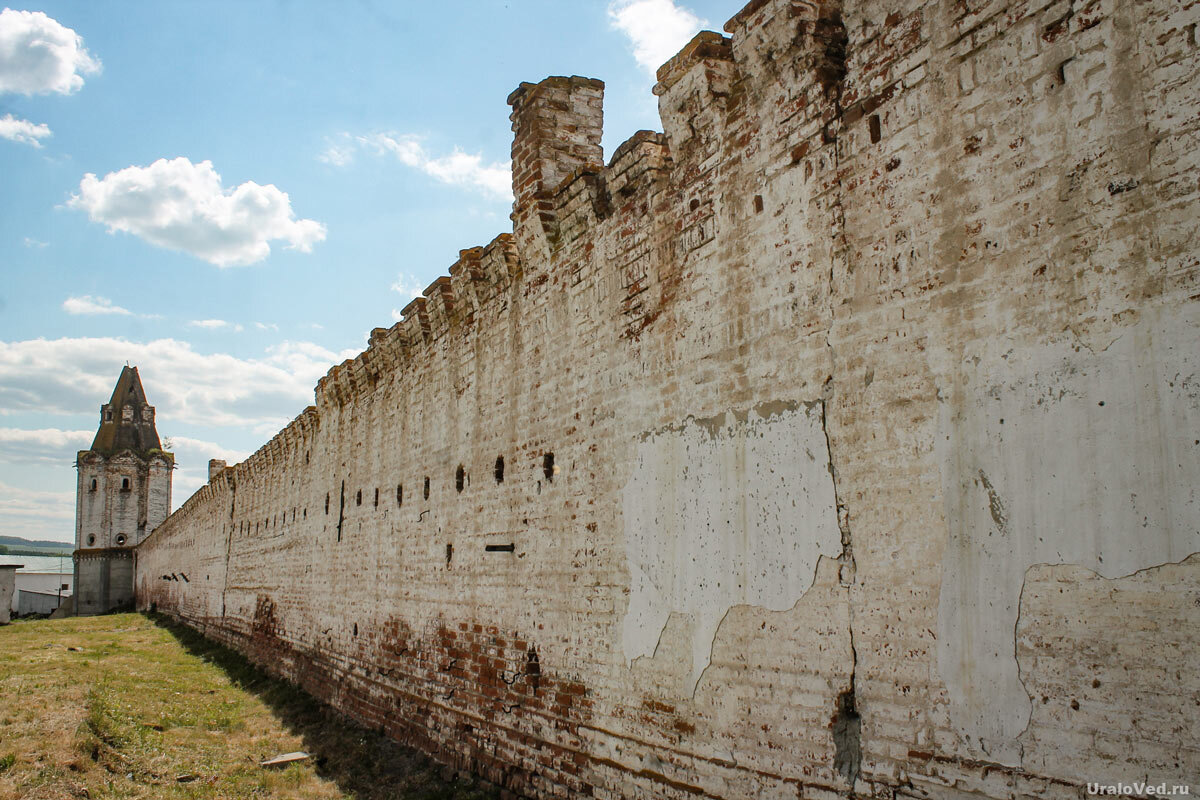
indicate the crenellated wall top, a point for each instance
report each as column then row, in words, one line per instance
column 563, row 196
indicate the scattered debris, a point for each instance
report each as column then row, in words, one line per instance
column 285, row 759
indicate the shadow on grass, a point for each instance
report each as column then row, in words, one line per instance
column 364, row 764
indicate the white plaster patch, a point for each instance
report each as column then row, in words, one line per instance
column 1057, row 456
column 735, row 510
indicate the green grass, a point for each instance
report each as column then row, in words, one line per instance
column 39, row 552
column 127, row 706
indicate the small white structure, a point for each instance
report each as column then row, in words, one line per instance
column 38, row 602
column 8, row 586
column 46, row 576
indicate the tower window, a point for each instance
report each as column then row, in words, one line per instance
column 460, row 477
column 548, row 466
column 108, row 415
column 358, row 498
column 124, row 484
column 399, row 494
column 93, row 485
column 91, row 539
column 426, row 487
column 377, row 497
column 499, row 470
column 120, row 540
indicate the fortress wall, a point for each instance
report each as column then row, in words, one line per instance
column 870, row 386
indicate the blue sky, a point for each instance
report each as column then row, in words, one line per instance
column 231, row 195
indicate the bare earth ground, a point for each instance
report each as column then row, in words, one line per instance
column 129, row 706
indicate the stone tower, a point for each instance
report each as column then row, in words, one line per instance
column 124, row 493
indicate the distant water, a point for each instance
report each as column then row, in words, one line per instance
column 41, row 563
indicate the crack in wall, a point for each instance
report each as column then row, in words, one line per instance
column 830, row 31
column 847, row 724
column 846, row 564
column 228, row 543
column 342, row 510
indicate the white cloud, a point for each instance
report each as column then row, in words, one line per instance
column 43, row 446
column 88, row 304
column 456, row 169
column 73, row 376
column 338, row 155
column 22, row 130
column 191, row 460
column 40, row 513
column 267, row 326
column 182, row 206
column 58, row 448
column 94, row 304
column 40, row 509
column 207, row 449
column 215, row 324
column 407, row 287
column 34, row 242
column 189, row 389
column 300, row 358
column 658, row 29
column 38, row 55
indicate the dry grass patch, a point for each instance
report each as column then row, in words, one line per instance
column 123, row 707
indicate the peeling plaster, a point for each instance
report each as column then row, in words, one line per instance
column 732, row 510
column 1057, row 455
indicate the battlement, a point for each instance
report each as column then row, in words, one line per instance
column 705, row 49
column 562, row 189
column 557, row 126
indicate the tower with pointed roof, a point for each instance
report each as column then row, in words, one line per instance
column 124, row 493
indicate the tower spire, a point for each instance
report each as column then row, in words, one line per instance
column 127, row 419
